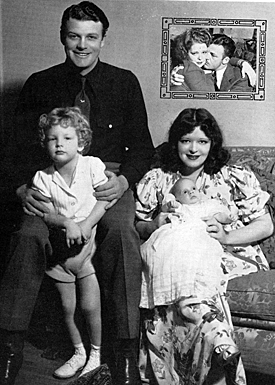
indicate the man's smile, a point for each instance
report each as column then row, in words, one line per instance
column 82, row 54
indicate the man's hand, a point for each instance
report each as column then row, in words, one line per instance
column 177, row 79
column 249, row 71
column 33, row 202
column 112, row 190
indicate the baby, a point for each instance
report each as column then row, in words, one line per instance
column 180, row 259
column 185, row 198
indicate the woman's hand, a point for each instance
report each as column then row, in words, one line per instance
column 215, row 229
column 260, row 228
column 33, row 202
column 112, row 190
column 73, row 233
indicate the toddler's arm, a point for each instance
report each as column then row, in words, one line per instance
column 73, row 230
column 96, row 214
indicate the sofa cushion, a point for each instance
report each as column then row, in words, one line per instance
column 253, row 296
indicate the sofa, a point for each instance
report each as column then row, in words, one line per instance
column 252, row 297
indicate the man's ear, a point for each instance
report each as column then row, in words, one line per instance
column 102, row 42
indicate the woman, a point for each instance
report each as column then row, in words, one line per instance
column 191, row 341
column 191, row 52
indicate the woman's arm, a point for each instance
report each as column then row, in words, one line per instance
column 177, row 78
column 196, row 79
column 260, row 228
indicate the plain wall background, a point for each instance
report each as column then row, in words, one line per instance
column 30, row 42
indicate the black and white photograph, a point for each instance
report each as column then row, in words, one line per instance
column 214, row 56
column 137, row 181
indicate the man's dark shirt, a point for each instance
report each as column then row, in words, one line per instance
column 118, row 116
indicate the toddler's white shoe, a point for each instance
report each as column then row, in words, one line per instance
column 71, row 367
column 93, row 362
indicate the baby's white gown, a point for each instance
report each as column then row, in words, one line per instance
column 181, row 259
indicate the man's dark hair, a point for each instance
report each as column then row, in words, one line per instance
column 227, row 43
column 86, row 10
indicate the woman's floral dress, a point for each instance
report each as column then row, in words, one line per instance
column 182, row 352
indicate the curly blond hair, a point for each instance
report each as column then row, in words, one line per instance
column 65, row 117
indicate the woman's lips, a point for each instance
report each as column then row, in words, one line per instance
column 193, row 157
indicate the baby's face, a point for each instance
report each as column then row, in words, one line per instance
column 186, row 192
column 198, row 54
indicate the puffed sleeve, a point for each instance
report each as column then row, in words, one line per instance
column 97, row 168
column 151, row 190
column 247, row 193
column 39, row 183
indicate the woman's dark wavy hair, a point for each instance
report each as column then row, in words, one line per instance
column 86, row 10
column 167, row 157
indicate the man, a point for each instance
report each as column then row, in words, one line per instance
column 114, row 102
column 226, row 74
column 228, row 78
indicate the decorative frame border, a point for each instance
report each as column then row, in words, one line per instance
column 259, row 25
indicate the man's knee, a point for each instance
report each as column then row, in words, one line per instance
column 32, row 227
column 30, row 242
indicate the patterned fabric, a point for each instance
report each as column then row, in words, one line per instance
column 183, row 353
column 185, row 358
column 258, row 348
column 236, row 187
column 261, row 161
column 253, row 296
